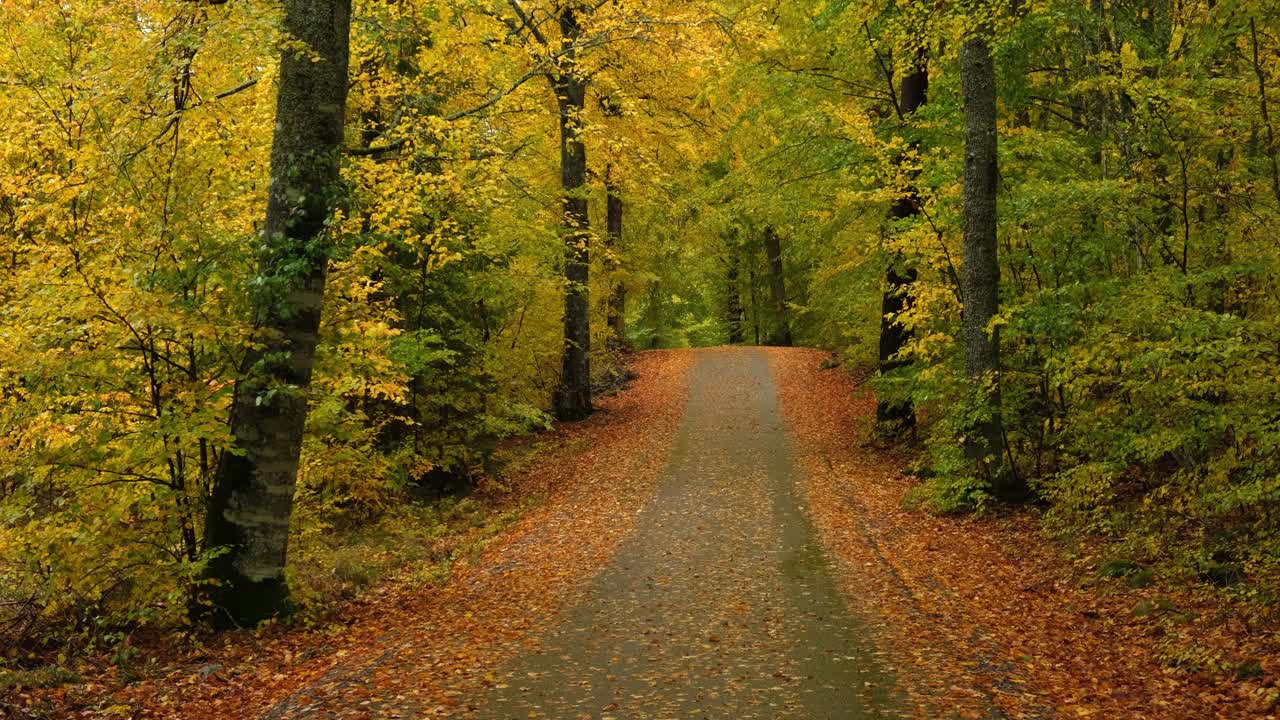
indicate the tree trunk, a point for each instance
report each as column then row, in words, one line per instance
column 780, row 335
column 252, row 494
column 573, row 399
column 896, row 417
column 735, row 298
column 617, row 306
column 1260, row 73
column 755, row 299
column 980, row 279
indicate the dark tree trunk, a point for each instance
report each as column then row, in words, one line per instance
column 1264, row 109
column 573, row 399
column 617, row 306
column 896, row 417
column 755, row 299
column 735, row 298
column 980, row 279
column 780, row 335
column 252, row 495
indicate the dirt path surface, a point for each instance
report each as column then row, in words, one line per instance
column 720, row 602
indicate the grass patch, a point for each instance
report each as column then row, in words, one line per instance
column 415, row 542
column 49, row 676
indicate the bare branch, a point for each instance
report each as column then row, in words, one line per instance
column 528, row 22
column 239, row 88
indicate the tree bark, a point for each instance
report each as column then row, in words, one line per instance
column 897, row 417
column 1260, row 73
column 980, row 278
column 573, row 399
column 617, row 305
column 252, row 496
column 780, row 335
column 735, row 297
column 755, row 298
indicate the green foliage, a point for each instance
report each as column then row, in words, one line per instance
column 951, row 488
column 1119, row 568
column 415, row 541
column 1138, row 294
column 48, row 676
column 1140, row 306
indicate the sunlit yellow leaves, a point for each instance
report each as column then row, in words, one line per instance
column 1176, row 39
column 1129, row 61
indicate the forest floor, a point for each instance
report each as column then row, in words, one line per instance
column 988, row 615
column 720, row 541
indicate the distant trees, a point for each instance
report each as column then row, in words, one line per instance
column 780, row 332
column 733, row 303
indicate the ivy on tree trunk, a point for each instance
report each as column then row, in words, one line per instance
column 252, row 498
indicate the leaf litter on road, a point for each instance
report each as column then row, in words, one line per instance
column 986, row 614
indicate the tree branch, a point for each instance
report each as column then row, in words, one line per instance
column 528, row 22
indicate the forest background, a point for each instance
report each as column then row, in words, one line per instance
column 761, row 172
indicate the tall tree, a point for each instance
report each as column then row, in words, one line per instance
column 980, row 276
column 252, row 497
column 734, row 304
column 780, row 334
column 617, row 300
column 896, row 416
column 755, row 300
column 616, row 306
column 573, row 399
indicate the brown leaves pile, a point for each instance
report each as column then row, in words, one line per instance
column 410, row 651
column 986, row 613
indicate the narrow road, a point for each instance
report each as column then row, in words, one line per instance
column 720, row 603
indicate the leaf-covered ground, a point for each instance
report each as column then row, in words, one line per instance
column 987, row 615
column 720, row 541
column 408, row 651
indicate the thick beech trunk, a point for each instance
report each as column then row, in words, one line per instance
column 781, row 333
column 573, row 399
column 980, row 279
column 896, row 417
column 253, row 491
